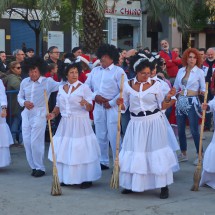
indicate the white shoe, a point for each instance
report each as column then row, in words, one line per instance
column 16, row 142
column 196, row 161
column 182, row 158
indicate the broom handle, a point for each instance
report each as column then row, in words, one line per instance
column 50, row 130
column 203, row 123
column 119, row 119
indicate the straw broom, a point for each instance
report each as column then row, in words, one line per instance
column 56, row 189
column 114, row 184
column 198, row 171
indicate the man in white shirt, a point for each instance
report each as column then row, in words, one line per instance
column 31, row 96
column 105, row 81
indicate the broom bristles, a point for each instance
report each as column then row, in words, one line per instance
column 197, row 173
column 196, row 178
column 114, row 184
column 56, row 188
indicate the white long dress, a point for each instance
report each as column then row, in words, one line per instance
column 5, row 135
column 76, row 148
column 146, row 159
column 208, row 173
column 172, row 141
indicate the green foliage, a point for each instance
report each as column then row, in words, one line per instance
column 69, row 11
column 181, row 10
column 39, row 10
column 200, row 16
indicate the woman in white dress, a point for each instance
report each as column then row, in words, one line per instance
column 146, row 160
column 76, row 148
column 172, row 141
column 6, row 138
column 208, row 173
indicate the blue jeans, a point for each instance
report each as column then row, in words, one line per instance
column 168, row 112
column 194, row 127
column 16, row 128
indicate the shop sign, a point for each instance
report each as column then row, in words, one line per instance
column 123, row 8
column 56, row 38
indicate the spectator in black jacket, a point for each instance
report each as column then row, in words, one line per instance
column 3, row 63
column 54, row 55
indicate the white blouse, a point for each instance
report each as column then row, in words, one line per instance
column 69, row 103
column 196, row 80
column 3, row 97
column 147, row 100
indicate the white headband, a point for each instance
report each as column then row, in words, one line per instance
column 138, row 62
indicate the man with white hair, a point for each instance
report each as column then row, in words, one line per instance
column 172, row 60
column 209, row 70
column 19, row 55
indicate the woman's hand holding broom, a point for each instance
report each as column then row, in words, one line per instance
column 53, row 114
column 204, row 106
column 120, row 101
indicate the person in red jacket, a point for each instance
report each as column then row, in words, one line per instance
column 172, row 60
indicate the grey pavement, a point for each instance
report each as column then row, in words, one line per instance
column 22, row 194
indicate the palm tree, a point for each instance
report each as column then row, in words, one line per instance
column 93, row 24
column 37, row 14
column 87, row 17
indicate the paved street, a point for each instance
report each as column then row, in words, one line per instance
column 22, row 194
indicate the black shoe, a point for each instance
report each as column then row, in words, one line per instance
column 33, row 172
column 164, row 193
column 126, row 191
column 206, row 128
column 86, row 185
column 39, row 173
column 103, row 167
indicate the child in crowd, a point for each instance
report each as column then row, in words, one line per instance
column 52, row 71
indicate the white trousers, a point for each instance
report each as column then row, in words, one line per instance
column 33, row 131
column 106, row 130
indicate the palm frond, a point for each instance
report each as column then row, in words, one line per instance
column 181, row 10
column 48, row 11
column 4, row 5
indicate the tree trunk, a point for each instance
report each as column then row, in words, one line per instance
column 144, row 39
column 93, row 27
column 37, row 36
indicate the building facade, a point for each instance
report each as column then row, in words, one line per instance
column 123, row 28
